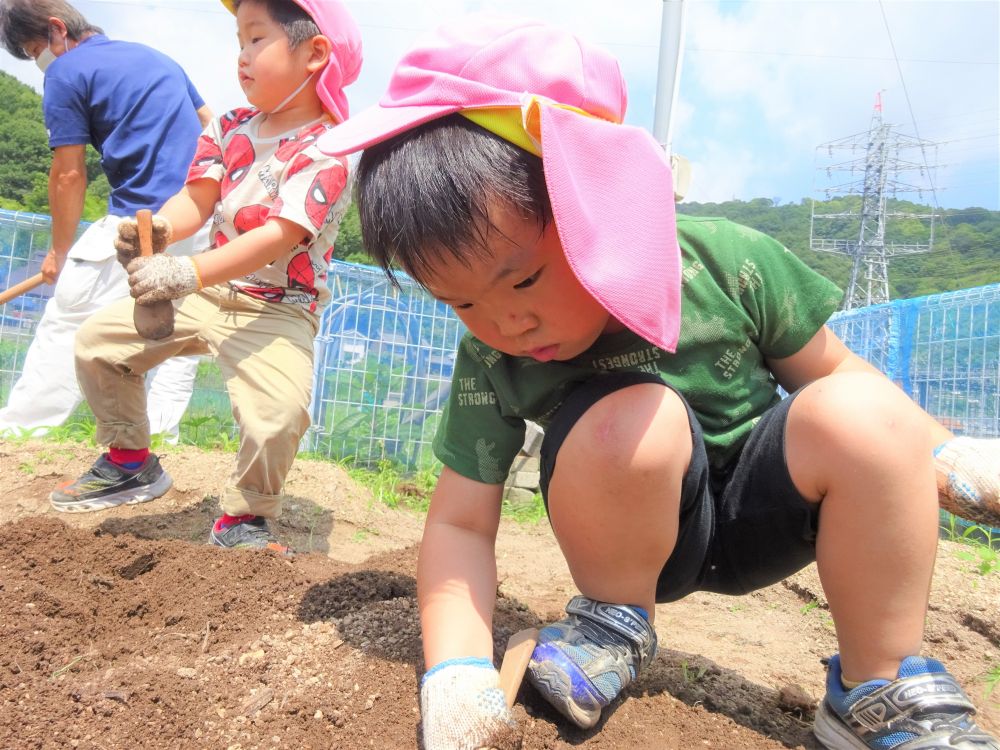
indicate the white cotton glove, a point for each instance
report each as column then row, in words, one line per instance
column 463, row 708
column 161, row 277
column 127, row 243
column 968, row 472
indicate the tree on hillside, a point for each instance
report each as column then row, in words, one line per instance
column 349, row 246
column 966, row 243
column 25, row 156
column 24, row 151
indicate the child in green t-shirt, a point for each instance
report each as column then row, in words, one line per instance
column 651, row 348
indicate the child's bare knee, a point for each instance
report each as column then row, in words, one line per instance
column 641, row 427
column 853, row 411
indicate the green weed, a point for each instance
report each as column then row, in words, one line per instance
column 982, row 543
column 526, row 513
column 62, row 670
column 809, row 607
column 957, row 530
column 362, row 534
column 315, row 516
column 691, row 675
column 985, row 559
column 992, row 679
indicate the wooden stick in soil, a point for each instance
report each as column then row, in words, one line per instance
column 156, row 320
column 515, row 662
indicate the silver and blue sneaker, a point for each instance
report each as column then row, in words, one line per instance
column 924, row 708
column 583, row 662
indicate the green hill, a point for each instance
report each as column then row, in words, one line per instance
column 25, row 156
column 966, row 243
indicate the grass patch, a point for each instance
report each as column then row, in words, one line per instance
column 526, row 513
column 991, row 678
column 982, row 543
column 390, row 484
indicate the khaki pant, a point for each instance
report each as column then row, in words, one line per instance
column 265, row 353
column 46, row 392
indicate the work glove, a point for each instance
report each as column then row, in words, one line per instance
column 968, row 471
column 463, row 708
column 161, row 277
column 127, row 243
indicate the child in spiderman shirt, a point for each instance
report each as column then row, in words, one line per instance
column 253, row 300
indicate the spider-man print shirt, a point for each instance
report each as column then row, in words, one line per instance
column 262, row 178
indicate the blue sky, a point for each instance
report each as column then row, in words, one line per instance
column 763, row 82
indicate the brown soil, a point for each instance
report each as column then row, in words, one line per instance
column 123, row 629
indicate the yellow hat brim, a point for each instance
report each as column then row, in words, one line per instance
column 230, row 6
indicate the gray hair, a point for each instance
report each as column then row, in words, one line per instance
column 25, row 21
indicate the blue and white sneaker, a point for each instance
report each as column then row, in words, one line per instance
column 583, row 662
column 922, row 709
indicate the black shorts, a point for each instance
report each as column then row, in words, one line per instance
column 739, row 531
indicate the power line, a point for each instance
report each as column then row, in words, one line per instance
column 817, row 55
column 909, row 105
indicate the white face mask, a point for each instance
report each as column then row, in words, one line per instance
column 44, row 60
column 46, row 56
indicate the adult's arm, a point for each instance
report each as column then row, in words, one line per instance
column 67, row 190
column 204, row 115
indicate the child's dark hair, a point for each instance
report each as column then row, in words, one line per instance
column 24, row 21
column 425, row 195
column 290, row 16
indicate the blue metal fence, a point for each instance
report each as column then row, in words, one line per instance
column 943, row 350
column 384, row 356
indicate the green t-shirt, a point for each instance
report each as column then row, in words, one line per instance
column 744, row 299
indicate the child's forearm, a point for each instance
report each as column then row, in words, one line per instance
column 189, row 209
column 249, row 252
column 456, row 589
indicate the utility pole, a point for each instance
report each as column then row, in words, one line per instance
column 668, row 83
column 861, row 235
column 668, row 73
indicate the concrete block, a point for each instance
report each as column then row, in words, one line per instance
column 527, row 479
column 519, row 497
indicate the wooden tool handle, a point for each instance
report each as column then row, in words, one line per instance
column 515, row 661
column 156, row 320
column 18, row 289
column 144, row 219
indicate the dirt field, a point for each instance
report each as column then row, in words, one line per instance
column 123, row 629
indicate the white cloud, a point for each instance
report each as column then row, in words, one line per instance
column 763, row 82
column 801, row 74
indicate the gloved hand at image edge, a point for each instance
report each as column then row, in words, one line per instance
column 463, row 708
column 127, row 243
column 968, row 471
column 162, row 277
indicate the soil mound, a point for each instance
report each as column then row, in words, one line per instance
column 124, row 629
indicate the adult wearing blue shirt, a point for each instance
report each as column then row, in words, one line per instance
column 139, row 110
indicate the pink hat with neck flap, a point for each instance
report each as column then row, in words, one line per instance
column 609, row 184
column 335, row 23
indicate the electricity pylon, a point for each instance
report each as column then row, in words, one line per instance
column 875, row 177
